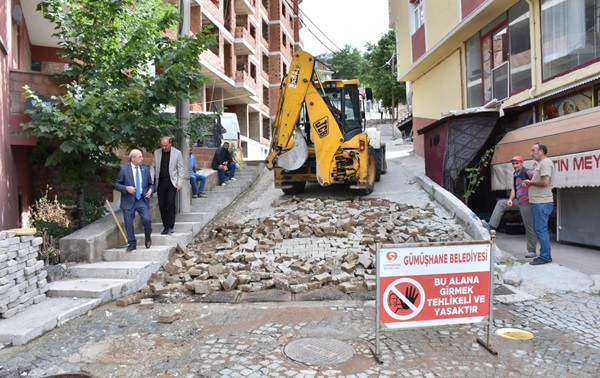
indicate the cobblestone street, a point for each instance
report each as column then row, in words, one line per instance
column 249, row 334
column 247, row 340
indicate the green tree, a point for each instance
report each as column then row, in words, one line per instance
column 379, row 71
column 114, row 95
column 347, row 63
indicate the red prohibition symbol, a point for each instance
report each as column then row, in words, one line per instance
column 403, row 299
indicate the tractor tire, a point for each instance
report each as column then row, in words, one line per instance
column 371, row 172
column 381, row 163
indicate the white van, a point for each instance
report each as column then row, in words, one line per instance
column 232, row 135
column 249, row 149
column 230, row 130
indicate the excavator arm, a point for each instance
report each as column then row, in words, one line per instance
column 291, row 100
column 288, row 148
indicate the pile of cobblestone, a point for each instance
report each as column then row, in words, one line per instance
column 305, row 245
column 22, row 276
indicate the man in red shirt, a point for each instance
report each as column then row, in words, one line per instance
column 519, row 197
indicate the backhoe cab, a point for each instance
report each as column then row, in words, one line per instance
column 319, row 133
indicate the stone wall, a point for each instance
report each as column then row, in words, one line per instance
column 22, row 276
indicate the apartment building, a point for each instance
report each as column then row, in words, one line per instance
column 541, row 60
column 256, row 40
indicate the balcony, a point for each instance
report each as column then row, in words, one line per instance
column 211, row 13
column 245, row 43
column 245, row 7
column 244, row 80
column 43, row 84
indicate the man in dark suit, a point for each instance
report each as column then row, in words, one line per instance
column 222, row 161
column 135, row 184
column 167, row 175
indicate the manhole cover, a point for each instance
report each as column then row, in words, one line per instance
column 318, row 351
column 514, row 333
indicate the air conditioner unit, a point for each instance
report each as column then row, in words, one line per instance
column 501, row 82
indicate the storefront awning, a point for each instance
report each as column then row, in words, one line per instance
column 573, row 144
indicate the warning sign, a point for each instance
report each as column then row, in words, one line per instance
column 405, row 298
column 433, row 285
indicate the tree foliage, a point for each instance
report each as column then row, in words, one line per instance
column 347, row 63
column 379, row 71
column 123, row 70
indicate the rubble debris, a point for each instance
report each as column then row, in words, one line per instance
column 308, row 244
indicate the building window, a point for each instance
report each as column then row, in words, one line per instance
column 567, row 105
column 474, row 80
column 498, row 58
column 500, row 87
column 265, row 63
column 520, row 47
column 570, row 35
column 265, row 96
column 416, row 15
column 265, row 30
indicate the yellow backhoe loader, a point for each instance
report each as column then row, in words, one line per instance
column 319, row 133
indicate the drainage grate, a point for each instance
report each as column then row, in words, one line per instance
column 318, row 351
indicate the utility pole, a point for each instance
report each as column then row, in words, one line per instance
column 183, row 113
column 393, row 106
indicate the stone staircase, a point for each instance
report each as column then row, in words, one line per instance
column 85, row 286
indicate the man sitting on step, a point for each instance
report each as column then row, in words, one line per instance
column 223, row 161
column 195, row 177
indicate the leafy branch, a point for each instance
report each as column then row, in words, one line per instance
column 474, row 175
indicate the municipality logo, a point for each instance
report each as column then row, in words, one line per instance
column 391, row 256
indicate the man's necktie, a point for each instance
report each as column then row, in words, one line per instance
column 138, row 183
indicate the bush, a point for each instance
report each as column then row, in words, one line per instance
column 52, row 222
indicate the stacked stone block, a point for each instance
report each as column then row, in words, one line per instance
column 22, row 275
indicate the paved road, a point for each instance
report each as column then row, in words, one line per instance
column 253, row 338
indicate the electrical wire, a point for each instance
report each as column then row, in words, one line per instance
column 308, row 28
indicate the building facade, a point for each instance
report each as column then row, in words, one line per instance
column 541, row 59
column 256, row 40
column 255, row 44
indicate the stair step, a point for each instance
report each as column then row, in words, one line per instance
column 36, row 320
column 193, row 227
column 105, row 289
column 182, row 238
column 138, row 270
column 201, row 216
column 158, row 253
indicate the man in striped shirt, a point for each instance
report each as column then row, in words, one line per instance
column 519, row 197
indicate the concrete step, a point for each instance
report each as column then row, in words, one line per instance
column 180, row 226
column 155, row 253
column 130, row 270
column 202, row 216
column 182, row 238
column 105, row 289
column 36, row 320
column 216, row 206
column 219, row 200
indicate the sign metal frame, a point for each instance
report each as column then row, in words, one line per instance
column 380, row 326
